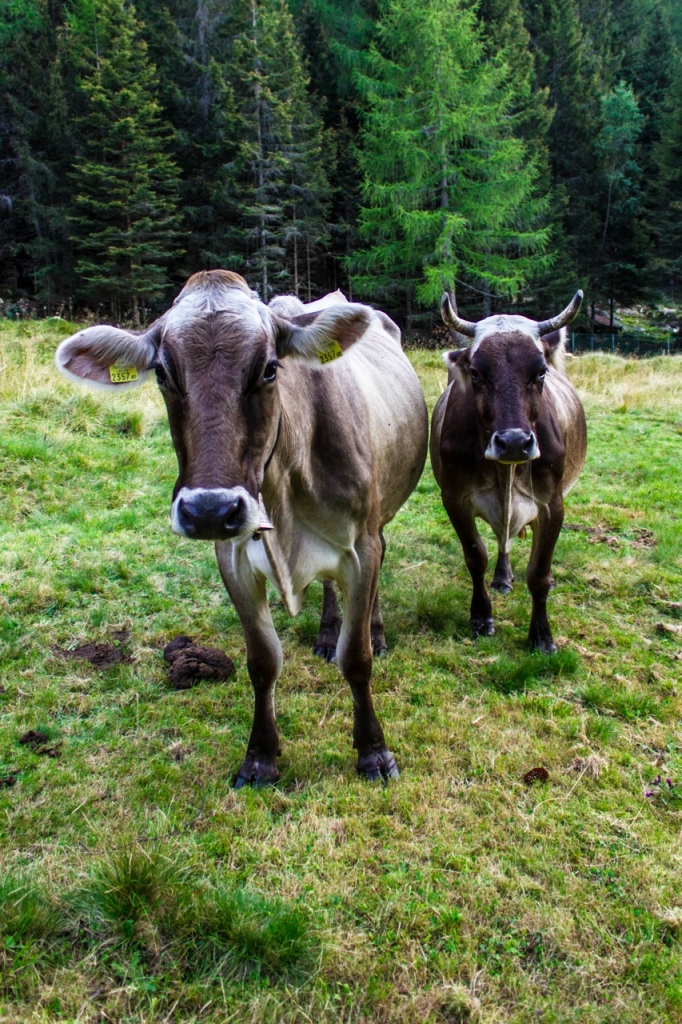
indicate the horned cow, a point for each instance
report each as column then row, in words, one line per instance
column 299, row 432
column 508, row 441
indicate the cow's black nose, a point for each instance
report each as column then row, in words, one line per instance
column 211, row 515
column 512, row 446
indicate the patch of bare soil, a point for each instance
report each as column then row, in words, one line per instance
column 100, row 655
column 594, row 534
column 189, row 664
column 644, row 538
column 38, row 743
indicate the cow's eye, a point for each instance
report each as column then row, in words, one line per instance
column 475, row 375
column 161, row 375
column 270, row 372
column 540, row 377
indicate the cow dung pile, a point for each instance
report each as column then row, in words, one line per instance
column 189, row 664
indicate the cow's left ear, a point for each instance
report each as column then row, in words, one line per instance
column 107, row 357
column 320, row 338
column 457, row 363
column 554, row 345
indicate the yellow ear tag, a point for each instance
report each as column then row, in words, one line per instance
column 122, row 374
column 331, row 351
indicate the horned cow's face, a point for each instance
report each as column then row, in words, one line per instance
column 506, row 368
column 507, row 374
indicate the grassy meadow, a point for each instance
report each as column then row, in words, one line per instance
column 137, row 886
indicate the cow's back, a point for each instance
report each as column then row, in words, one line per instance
column 360, row 424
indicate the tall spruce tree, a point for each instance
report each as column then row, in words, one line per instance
column 35, row 148
column 449, row 191
column 278, row 180
column 337, row 35
column 124, row 220
column 619, row 258
column 667, row 211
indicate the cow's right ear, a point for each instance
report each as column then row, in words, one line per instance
column 457, row 363
column 107, row 357
column 320, row 338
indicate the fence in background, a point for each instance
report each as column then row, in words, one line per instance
column 625, row 344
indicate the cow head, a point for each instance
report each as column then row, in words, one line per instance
column 505, row 368
column 216, row 354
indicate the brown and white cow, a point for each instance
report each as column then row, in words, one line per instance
column 508, row 441
column 291, row 459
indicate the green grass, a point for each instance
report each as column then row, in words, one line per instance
column 138, row 886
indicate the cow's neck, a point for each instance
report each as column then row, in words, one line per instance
column 277, row 498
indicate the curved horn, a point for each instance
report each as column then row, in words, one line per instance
column 564, row 318
column 452, row 320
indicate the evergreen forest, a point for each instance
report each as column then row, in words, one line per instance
column 507, row 150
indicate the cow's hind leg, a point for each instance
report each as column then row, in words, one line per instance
column 476, row 558
column 546, row 529
column 503, row 577
column 264, row 661
column 379, row 645
column 330, row 623
column 354, row 653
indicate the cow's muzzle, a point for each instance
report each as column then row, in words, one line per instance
column 214, row 513
column 512, row 446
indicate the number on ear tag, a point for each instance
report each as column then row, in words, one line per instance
column 122, row 374
column 331, row 351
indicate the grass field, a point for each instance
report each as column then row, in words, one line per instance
column 137, row 886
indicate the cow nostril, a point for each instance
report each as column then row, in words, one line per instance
column 233, row 514
column 186, row 518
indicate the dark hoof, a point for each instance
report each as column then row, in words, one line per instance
column 502, row 586
column 546, row 646
column 482, row 627
column 256, row 773
column 325, row 649
column 378, row 766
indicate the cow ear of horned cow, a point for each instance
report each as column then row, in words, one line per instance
column 457, row 363
column 107, row 357
column 320, row 338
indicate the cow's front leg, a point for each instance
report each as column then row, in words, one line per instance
column 354, row 654
column 330, row 623
column 476, row 558
column 264, row 661
column 503, row 577
column 546, row 529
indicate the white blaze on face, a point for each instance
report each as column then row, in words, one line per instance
column 506, row 323
column 215, row 297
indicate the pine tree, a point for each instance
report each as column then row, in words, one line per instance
column 336, row 35
column 125, row 185
column 667, row 213
column 448, row 192
column 617, row 262
column 190, row 43
column 35, row 147
column 279, row 175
